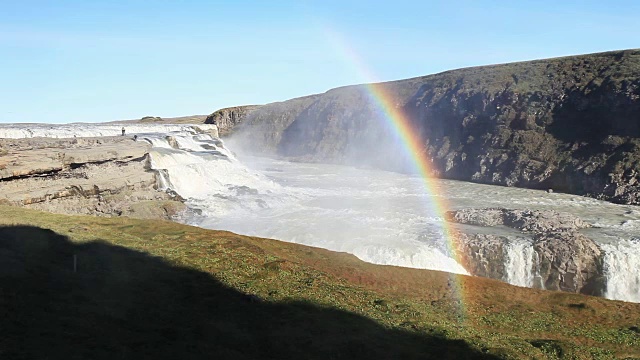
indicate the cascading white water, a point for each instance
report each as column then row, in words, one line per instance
column 538, row 281
column 519, row 255
column 201, row 170
column 379, row 216
column 200, row 175
column 622, row 269
column 163, row 180
column 158, row 142
column 235, row 198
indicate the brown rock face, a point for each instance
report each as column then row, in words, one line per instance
column 569, row 261
column 107, row 176
column 483, row 255
column 564, row 259
column 569, row 124
column 228, row 118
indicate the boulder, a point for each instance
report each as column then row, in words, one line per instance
column 569, row 261
column 565, row 259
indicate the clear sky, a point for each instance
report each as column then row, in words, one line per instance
column 92, row 61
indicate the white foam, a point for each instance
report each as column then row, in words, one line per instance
column 622, row 269
column 519, row 262
column 420, row 257
column 205, row 173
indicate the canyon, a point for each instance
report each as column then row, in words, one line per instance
column 568, row 124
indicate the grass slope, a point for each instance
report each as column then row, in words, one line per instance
column 164, row 290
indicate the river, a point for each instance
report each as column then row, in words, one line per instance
column 379, row 216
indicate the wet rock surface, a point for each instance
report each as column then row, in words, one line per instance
column 562, row 258
column 105, row 176
column 534, row 221
column 482, row 254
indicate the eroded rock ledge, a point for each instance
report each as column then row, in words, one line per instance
column 563, row 258
column 105, row 176
column 228, row 118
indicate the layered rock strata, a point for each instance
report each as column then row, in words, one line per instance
column 106, row 176
column 562, row 259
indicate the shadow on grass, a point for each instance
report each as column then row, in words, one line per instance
column 124, row 304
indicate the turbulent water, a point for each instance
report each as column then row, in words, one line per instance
column 381, row 217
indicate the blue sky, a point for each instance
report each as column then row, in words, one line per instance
column 92, row 61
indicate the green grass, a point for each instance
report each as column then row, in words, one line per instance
column 164, row 290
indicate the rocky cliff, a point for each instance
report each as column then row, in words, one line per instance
column 106, row 176
column 570, row 124
column 228, row 118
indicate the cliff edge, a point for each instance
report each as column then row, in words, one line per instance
column 103, row 176
column 228, row 118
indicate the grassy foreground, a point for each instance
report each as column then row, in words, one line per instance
column 156, row 289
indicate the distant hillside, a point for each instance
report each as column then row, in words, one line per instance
column 190, row 119
column 571, row 124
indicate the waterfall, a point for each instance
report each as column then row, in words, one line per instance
column 163, row 180
column 93, row 130
column 228, row 195
column 519, row 256
column 538, row 281
column 200, row 169
column 622, row 269
column 378, row 216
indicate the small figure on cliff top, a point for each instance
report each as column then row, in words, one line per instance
column 123, row 131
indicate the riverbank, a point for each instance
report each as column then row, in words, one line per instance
column 218, row 292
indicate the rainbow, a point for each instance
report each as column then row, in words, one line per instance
column 410, row 140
